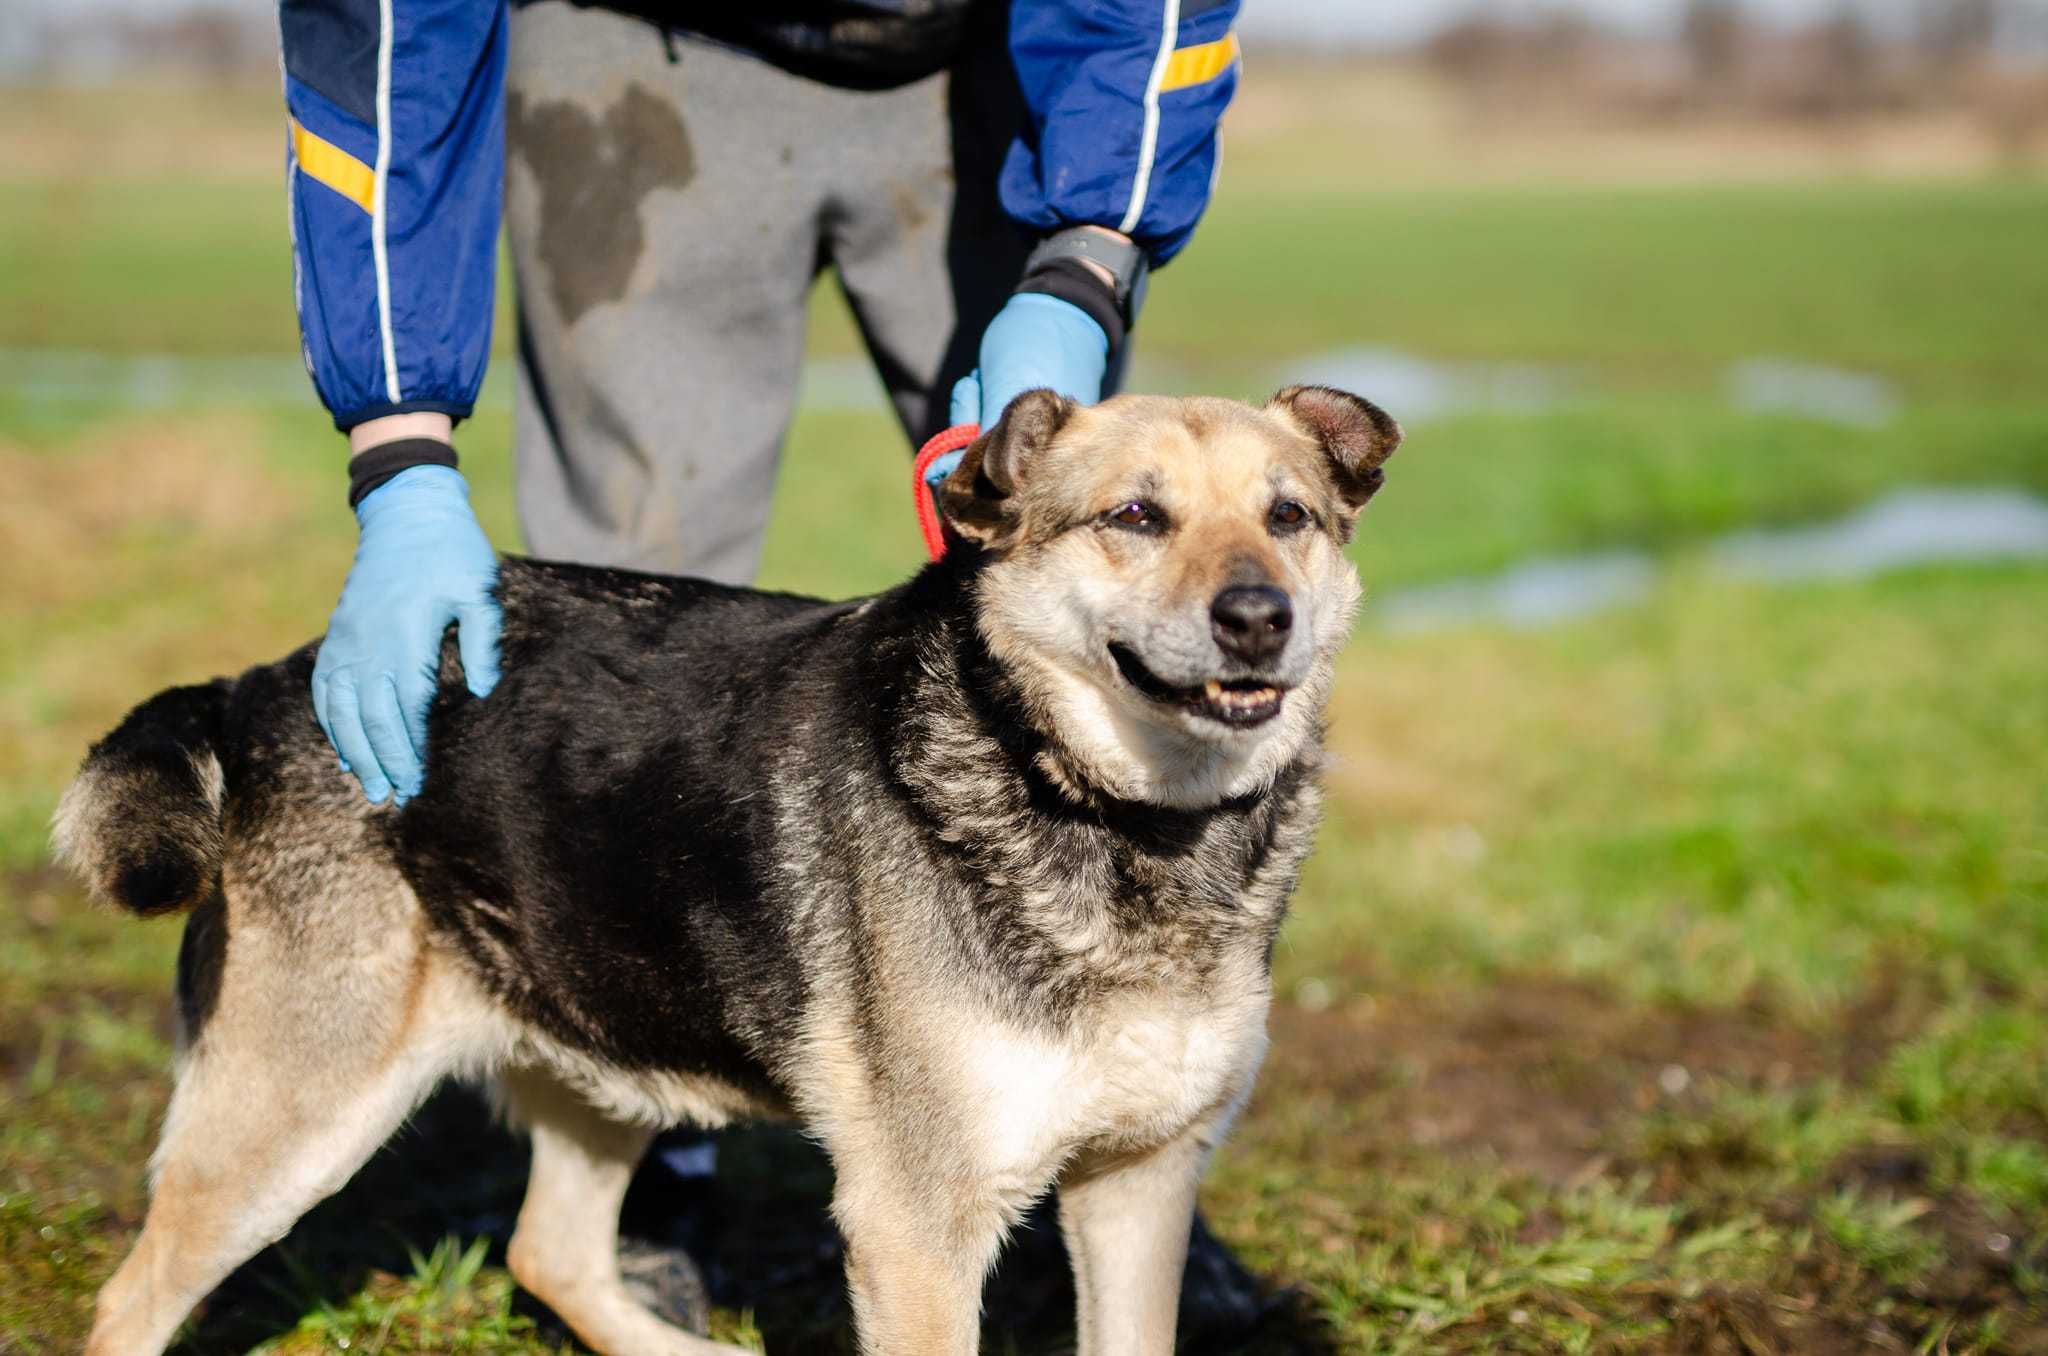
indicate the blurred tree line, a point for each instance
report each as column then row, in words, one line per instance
column 1975, row 56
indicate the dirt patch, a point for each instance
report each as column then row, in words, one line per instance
column 1554, row 1081
column 103, row 516
column 152, row 132
column 1832, row 1303
column 1533, row 1071
column 198, row 472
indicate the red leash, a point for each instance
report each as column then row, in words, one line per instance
column 928, row 521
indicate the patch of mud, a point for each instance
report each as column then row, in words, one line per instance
column 1545, row 1076
column 1837, row 1304
column 1531, row 1071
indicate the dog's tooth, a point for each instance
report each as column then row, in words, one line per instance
column 1214, row 689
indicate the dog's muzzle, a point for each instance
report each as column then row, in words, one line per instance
column 1237, row 702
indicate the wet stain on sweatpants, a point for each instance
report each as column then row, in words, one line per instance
column 592, row 174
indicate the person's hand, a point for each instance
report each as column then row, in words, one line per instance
column 421, row 562
column 1034, row 341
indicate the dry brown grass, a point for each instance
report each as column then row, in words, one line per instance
column 141, row 131
column 169, row 533
column 1402, row 124
column 199, row 474
column 1397, row 122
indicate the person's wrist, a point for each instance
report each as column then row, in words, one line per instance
column 391, row 428
column 1101, row 271
column 372, row 471
column 1079, row 266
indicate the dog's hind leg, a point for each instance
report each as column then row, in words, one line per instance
column 306, row 1045
column 565, row 1249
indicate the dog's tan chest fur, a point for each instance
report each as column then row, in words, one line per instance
column 1138, row 1072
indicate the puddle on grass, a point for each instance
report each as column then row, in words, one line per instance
column 1926, row 526
column 1535, row 593
column 1909, row 527
column 161, row 381
column 151, row 380
column 1780, row 386
column 1418, row 389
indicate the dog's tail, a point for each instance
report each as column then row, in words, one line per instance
column 141, row 824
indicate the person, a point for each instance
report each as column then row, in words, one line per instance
column 991, row 182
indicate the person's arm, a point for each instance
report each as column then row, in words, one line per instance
column 1123, row 98
column 394, row 172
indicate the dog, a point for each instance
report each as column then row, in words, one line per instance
column 977, row 879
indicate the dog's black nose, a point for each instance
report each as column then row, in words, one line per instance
column 1251, row 622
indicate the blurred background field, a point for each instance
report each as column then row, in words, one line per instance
column 1673, row 972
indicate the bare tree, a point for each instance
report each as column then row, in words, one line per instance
column 1955, row 40
column 1714, row 35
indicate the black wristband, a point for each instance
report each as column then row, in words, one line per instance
column 373, row 466
column 1074, row 282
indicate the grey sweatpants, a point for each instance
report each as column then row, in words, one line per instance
column 670, row 203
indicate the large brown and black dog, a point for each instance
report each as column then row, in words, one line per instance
column 977, row 879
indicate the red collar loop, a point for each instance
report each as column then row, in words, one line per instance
column 928, row 521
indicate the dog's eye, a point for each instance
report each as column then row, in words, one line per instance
column 1288, row 516
column 1139, row 515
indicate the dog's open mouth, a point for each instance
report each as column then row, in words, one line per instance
column 1233, row 701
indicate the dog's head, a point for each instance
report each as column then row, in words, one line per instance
column 1167, row 580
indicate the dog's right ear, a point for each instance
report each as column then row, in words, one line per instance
column 979, row 497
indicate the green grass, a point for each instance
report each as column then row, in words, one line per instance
column 1673, row 980
column 1658, row 811
column 206, row 269
column 1938, row 286
column 1738, row 788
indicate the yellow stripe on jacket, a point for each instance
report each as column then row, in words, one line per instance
column 1199, row 64
column 324, row 162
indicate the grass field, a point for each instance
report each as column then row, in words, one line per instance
column 1671, row 980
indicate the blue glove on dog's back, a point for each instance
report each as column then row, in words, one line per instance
column 421, row 562
column 1034, row 341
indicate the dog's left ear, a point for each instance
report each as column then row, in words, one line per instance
column 1356, row 436
column 979, row 497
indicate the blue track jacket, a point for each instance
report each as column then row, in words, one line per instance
column 395, row 166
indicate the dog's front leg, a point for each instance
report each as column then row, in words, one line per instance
column 1126, row 1221
column 916, row 1254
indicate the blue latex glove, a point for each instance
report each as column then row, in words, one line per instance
column 421, row 562
column 1034, row 341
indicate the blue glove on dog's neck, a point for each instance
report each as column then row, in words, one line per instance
column 421, row 562
column 1034, row 341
